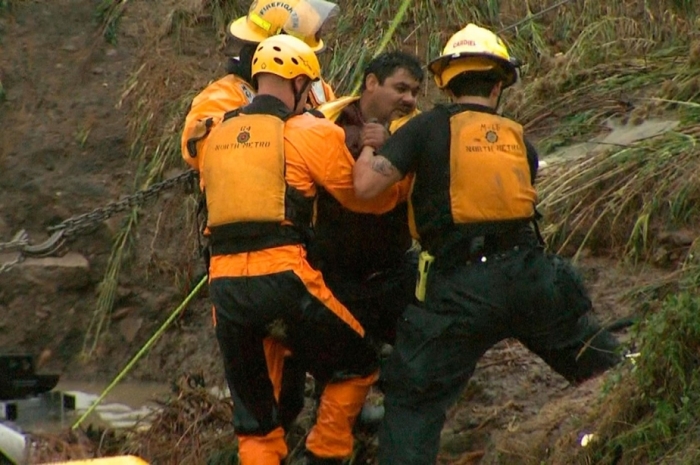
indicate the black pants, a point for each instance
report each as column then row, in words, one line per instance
column 526, row 294
column 321, row 343
column 378, row 300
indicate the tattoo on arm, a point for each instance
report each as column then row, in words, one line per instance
column 382, row 166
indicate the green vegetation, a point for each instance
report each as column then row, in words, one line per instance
column 651, row 413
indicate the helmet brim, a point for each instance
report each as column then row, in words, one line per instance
column 241, row 30
column 482, row 62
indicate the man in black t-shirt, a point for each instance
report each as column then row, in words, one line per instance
column 485, row 275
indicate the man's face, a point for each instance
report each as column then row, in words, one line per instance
column 396, row 97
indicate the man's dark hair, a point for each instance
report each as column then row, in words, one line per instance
column 386, row 64
column 474, row 83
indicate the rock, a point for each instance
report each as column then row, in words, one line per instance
column 122, row 313
column 457, row 442
column 129, row 328
column 98, row 70
column 69, row 48
column 70, row 272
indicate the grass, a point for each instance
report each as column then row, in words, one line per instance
column 6, row 6
column 617, row 200
column 651, row 413
column 157, row 100
column 108, row 14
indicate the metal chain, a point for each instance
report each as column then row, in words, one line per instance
column 86, row 222
column 7, row 266
column 18, row 242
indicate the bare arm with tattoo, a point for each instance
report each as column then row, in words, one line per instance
column 373, row 174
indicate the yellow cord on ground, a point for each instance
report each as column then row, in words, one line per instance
column 387, row 37
column 141, row 352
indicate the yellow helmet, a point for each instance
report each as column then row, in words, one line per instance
column 474, row 49
column 299, row 18
column 287, row 57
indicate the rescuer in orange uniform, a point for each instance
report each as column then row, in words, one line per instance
column 304, row 19
column 484, row 273
column 260, row 170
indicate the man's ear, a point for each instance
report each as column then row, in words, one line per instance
column 298, row 83
column 496, row 91
column 371, row 81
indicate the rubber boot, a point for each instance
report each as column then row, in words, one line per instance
column 341, row 403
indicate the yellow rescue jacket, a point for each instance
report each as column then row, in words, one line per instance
column 229, row 93
column 250, row 205
column 489, row 171
column 333, row 109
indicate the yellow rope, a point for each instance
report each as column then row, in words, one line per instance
column 141, row 352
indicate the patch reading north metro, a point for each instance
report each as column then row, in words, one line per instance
column 243, row 141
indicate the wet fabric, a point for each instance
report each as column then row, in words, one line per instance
column 378, row 300
column 523, row 293
column 276, row 293
column 353, row 244
column 422, row 147
column 364, row 257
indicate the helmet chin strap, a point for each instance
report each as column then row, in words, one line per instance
column 498, row 100
column 300, row 92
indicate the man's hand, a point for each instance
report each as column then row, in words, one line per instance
column 373, row 135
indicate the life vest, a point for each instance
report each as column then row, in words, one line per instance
column 398, row 122
column 207, row 110
column 489, row 171
column 249, row 204
column 332, row 110
column 229, row 93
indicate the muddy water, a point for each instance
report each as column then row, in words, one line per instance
column 124, row 406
